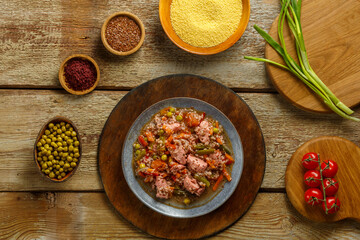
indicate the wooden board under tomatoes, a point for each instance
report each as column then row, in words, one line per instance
column 341, row 179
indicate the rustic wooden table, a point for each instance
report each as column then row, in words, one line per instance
column 36, row 36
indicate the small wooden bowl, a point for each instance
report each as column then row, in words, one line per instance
column 164, row 12
column 55, row 120
column 138, row 22
column 62, row 77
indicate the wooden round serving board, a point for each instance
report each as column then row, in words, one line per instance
column 118, row 124
column 347, row 156
column 331, row 31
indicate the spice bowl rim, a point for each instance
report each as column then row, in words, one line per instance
column 164, row 15
column 62, row 77
column 57, row 119
column 137, row 21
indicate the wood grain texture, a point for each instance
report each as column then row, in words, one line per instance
column 114, row 134
column 88, row 216
column 284, row 127
column 346, row 154
column 332, row 36
column 36, row 37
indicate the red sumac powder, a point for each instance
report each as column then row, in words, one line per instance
column 80, row 74
column 122, row 33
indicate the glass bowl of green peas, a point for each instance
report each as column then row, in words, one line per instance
column 57, row 150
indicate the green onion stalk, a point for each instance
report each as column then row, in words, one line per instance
column 291, row 11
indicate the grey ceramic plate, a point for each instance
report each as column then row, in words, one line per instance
column 166, row 207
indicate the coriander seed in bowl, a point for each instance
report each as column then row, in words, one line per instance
column 122, row 33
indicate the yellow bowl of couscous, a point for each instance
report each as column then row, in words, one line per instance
column 204, row 27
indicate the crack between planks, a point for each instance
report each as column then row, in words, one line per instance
column 42, row 88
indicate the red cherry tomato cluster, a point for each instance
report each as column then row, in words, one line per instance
column 323, row 186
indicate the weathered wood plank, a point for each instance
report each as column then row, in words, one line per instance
column 89, row 215
column 23, row 112
column 36, row 36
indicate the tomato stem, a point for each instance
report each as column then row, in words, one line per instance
column 322, row 185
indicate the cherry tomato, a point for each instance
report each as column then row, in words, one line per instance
column 331, row 186
column 312, row 178
column 310, row 160
column 332, row 204
column 329, row 168
column 313, row 196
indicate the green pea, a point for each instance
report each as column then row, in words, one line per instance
column 61, row 170
column 75, row 160
column 39, row 159
column 65, row 149
column 47, row 132
column 55, row 153
column 61, row 163
column 47, row 171
column 64, row 143
column 48, row 140
column 69, row 158
column 66, row 165
column 63, row 128
column 71, row 129
column 55, row 128
column 57, row 167
column 44, row 166
column 57, row 157
column 45, row 158
column 137, row 146
column 62, row 135
column 179, row 118
column 73, row 133
column 39, row 154
column 39, row 144
column 137, row 152
column 161, row 132
column 53, row 139
column 53, row 161
column 169, row 114
column 67, row 125
column 60, row 149
column 49, row 164
column 67, row 133
column 51, row 175
column 59, row 177
column 172, row 109
column 44, row 136
column 76, row 155
column 43, row 141
column 65, row 154
column 51, row 125
column 51, row 135
column 70, row 169
column 73, row 164
column 215, row 130
column 50, row 168
column 76, row 150
column 71, row 148
column 164, row 157
column 76, row 143
column 63, row 174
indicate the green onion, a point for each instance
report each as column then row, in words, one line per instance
column 291, row 11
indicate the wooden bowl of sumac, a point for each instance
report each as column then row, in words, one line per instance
column 122, row 33
column 79, row 74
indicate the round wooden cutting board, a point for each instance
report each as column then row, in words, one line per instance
column 331, row 31
column 121, row 119
column 347, row 156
